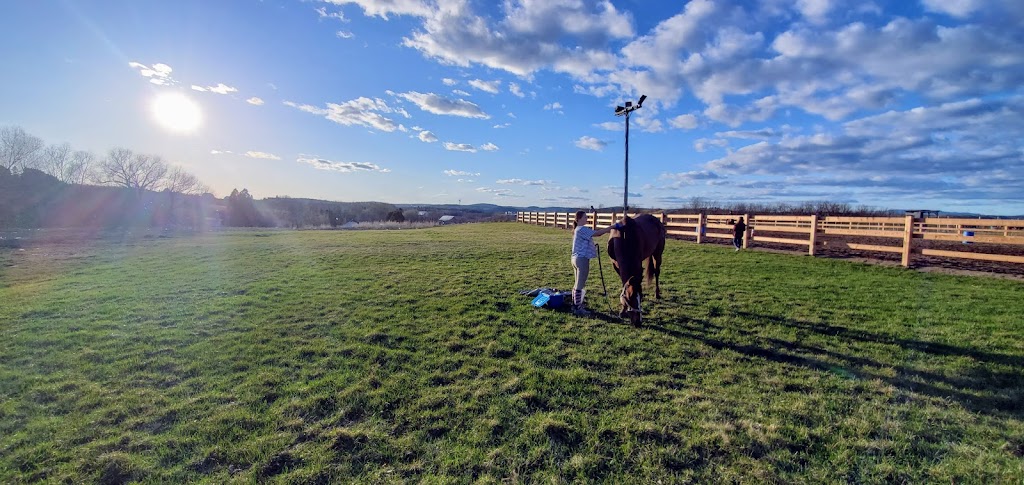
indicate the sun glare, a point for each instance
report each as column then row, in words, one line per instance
column 177, row 112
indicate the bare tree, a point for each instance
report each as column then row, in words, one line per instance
column 57, row 160
column 125, row 168
column 18, row 149
column 82, row 163
column 178, row 181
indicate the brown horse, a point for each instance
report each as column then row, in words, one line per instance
column 642, row 239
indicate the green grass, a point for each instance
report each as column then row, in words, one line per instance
column 394, row 356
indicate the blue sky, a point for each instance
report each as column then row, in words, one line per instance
column 887, row 104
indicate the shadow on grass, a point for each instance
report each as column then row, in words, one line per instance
column 986, row 390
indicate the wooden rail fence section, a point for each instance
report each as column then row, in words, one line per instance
column 805, row 231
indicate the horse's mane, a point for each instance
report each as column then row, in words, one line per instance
column 628, row 227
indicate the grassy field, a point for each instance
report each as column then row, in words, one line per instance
column 395, row 356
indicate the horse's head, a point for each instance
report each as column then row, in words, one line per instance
column 631, row 298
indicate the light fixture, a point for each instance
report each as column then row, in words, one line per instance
column 625, row 111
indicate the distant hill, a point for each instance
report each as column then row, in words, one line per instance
column 482, row 208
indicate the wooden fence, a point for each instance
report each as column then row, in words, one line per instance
column 806, row 231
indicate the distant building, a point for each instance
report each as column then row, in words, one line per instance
column 445, row 220
column 421, row 213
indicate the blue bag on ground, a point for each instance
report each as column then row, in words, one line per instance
column 550, row 299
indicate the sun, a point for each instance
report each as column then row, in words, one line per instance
column 177, row 112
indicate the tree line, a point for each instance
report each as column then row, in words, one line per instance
column 57, row 186
column 696, row 205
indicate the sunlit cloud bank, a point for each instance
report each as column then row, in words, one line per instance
column 345, row 167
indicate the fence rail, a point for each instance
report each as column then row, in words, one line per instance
column 806, row 231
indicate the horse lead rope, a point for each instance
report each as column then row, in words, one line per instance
column 601, row 269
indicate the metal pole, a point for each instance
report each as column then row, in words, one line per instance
column 625, row 191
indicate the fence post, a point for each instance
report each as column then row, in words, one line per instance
column 593, row 220
column 814, row 235
column 664, row 219
column 747, row 232
column 701, row 220
column 908, row 238
column 613, row 217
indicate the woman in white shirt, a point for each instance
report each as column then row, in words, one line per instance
column 583, row 250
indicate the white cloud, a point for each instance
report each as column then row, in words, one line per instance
column 761, row 134
column 357, row 112
column 459, row 173
column 255, row 101
column 459, row 147
column 263, row 155
column 522, row 182
column 682, row 179
column 323, row 13
column 221, row 88
column 440, row 105
column 527, row 39
column 345, row 167
column 383, row 9
column 815, row 11
column 683, row 122
column 503, row 125
column 490, row 147
column 945, row 149
column 449, row 81
column 427, row 137
column 159, row 73
column 650, row 125
column 498, row 192
column 553, row 106
column 611, row 126
column 219, row 152
column 955, row 8
column 487, row 86
column 515, row 90
column 702, row 144
column 590, row 143
column 344, row 34
column 460, row 92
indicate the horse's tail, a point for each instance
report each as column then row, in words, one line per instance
column 651, row 270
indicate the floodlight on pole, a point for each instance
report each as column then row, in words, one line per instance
column 625, row 111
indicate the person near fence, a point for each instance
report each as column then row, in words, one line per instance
column 738, row 231
column 583, row 250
